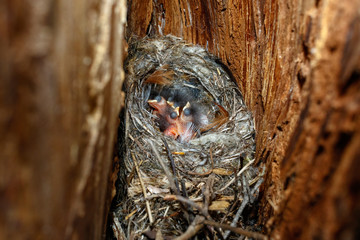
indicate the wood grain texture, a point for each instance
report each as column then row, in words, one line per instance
column 297, row 64
column 60, row 95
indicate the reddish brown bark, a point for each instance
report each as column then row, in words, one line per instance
column 60, row 94
column 298, row 66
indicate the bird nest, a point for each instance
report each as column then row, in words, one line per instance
column 177, row 185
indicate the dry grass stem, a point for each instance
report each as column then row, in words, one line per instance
column 151, row 220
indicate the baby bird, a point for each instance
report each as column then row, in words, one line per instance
column 190, row 122
column 166, row 116
column 183, row 107
column 182, row 127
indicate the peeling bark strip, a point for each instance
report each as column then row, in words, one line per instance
column 298, row 66
column 60, row 96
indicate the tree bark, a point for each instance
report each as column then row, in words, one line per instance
column 297, row 64
column 60, row 95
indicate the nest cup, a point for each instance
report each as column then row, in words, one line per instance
column 158, row 165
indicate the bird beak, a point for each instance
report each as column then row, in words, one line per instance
column 157, row 105
column 170, row 103
column 177, row 110
column 152, row 101
column 187, row 105
column 172, row 131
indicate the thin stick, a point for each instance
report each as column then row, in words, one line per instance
column 239, row 173
column 200, row 174
column 186, row 201
column 193, row 229
column 237, row 230
column 143, row 189
column 244, row 202
column 139, row 144
column 117, row 229
column 211, row 158
column 194, row 205
column 172, row 165
column 207, row 192
column 207, row 195
column 166, row 170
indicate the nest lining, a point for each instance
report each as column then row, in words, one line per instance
column 164, row 174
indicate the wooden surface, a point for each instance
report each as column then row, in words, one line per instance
column 60, row 95
column 298, row 65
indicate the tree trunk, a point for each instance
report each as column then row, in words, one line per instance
column 297, row 64
column 60, row 95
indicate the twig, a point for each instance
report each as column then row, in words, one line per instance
column 166, row 170
column 236, row 188
column 151, row 220
column 247, row 197
column 207, row 198
column 186, row 201
column 117, row 229
column 172, row 165
column 139, row 144
column 211, row 158
column 244, row 202
column 236, row 198
column 193, row 229
column 237, row 230
column 207, row 192
column 257, row 185
column 239, row 173
column 185, row 195
column 200, row 174
column 174, row 181
column 183, row 188
column 194, row 205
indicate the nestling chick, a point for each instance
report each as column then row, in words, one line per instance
column 166, row 115
column 190, row 121
column 183, row 127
